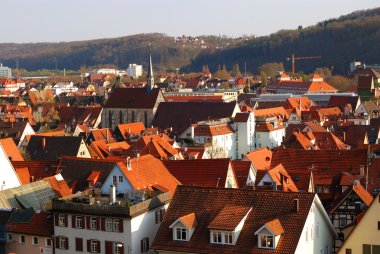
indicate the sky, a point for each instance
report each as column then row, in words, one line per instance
column 73, row 20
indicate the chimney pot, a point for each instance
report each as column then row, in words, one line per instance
column 296, row 205
column 43, row 143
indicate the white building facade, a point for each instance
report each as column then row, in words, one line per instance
column 134, row 70
column 5, row 72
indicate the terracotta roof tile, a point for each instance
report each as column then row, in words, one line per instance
column 23, row 174
column 242, row 117
column 282, row 178
column 261, row 158
column 241, row 169
column 40, row 225
column 212, row 130
column 59, row 185
column 207, row 203
column 11, row 149
column 189, row 220
column 275, row 226
column 229, row 217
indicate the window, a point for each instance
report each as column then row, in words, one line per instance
column 145, row 244
column 266, row 241
column 342, row 222
column 217, row 237
column 94, row 246
column 48, row 242
column 120, row 179
column 61, row 220
column 307, row 234
column 82, row 153
column 180, row 234
column 90, row 184
column 78, row 222
column 159, row 215
column 62, row 242
column 317, row 229
column 108, row 224
column 35, row 240
column 117, row 248
column 10, row 237
column 22, row 239
column 93, row 223
column 228, row 237
column 348, row 251
column 378, row 225
column 114, row 180
column 116, row 225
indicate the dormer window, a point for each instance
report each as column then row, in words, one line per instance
column 269, row 234
column 222, row 237
column 183, row 227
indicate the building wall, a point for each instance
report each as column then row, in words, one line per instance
column 83, row 151
column 8, row 176
column 312, row 241
column 270, row 139
column 27, row 131
column 126, row 116
column 5, row 71
column 245, row 136
column 122, row 187
column 366, row 231
column 15, row 246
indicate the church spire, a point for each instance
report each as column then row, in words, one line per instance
column 149, row 78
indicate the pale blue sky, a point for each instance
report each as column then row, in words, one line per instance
column 68, row 20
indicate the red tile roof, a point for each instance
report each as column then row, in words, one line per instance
column 147, row 171
column 132, row 98
column 229, row 217
column 261, row 158
column 131, row 129
column 189, row 220
column 41, row 225
column 160, row 149
column 37, row 169
column 282, row 178
column 207, row 172
column 59, row 185
column 23, row 175
column 207, row 204
column 212, row 130
column 241, row 169
column 275, row 226
column 11, row 149
column 242, row 117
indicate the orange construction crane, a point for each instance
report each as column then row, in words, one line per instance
column 294, row 58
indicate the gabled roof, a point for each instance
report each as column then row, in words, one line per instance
column 180, row 115
column 261, row 158
column 189, row 220
column 212, row 130
column 282, row 178
column 359, row 190
column 207, row 172
column 270, row 112
column 229, row 217
column 37, row 169
column 268, row 126
column 241, row 169
column 131, row 129
column 11, row 149
column 242, row 117
column 274, row 226
column 147, row 171
column 132, row 98
column 207, row 203
column 341, row 101
column 160, row 149
column 53, row 148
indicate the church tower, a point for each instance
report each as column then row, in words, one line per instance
column 149, row 78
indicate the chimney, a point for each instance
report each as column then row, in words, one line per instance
column 296, row 205
column 113, row 194
column 344, row 136
column 274, row 184
column 43, row 144
column 128, row 162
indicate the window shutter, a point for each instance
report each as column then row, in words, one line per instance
column 121, row 226
column 56, row 216
column 88, row 245
column 122, row 249
column 98, row 244
column 147, row 244
column 378, row 225
column 78, row 244
column 162, row 214
column 73, row 221
column 88, row 222
column 109, row 247
column 157, row 214
column 67, row 243
column 103, row 224
column 142, row 245
column 98, row 223
column 57, row 242
column 66, row 222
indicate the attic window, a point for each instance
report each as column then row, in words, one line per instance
column 266, row 241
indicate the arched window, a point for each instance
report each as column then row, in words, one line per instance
column 120, row 117
column 146, row 119
column 133, row 116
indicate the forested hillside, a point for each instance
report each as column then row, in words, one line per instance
column 337, row 41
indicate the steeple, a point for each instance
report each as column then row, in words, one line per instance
column 149, row 78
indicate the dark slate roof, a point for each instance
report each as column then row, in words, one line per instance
column 55, row 147
column 13, row 130
column 76, row 170
column 180, row 115
column 365, row 83
column 207, row 203
column 341, row 101
column 132, row 98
